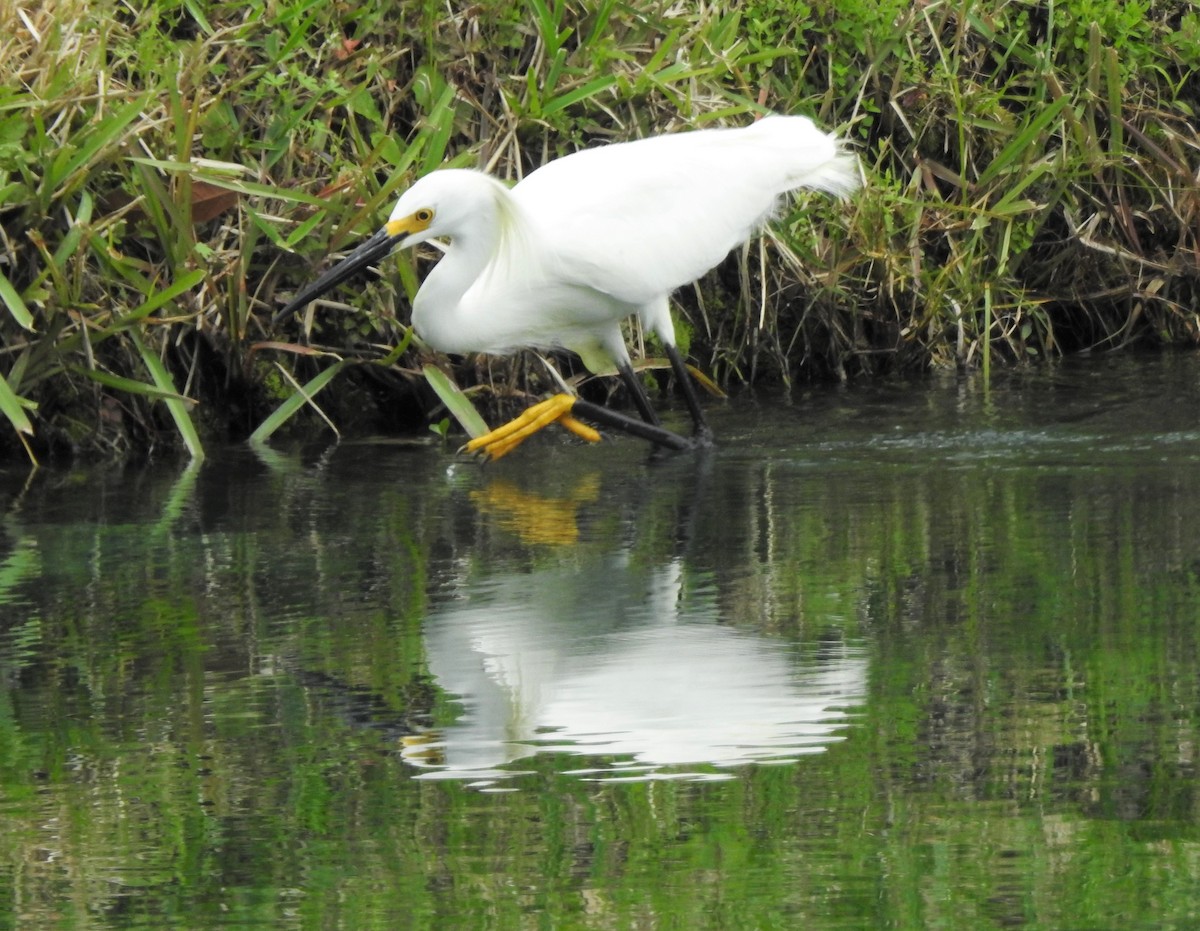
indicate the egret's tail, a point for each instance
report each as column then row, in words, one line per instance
column 808, row 157
column 838, row 175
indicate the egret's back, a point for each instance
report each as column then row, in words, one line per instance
column 637, row 220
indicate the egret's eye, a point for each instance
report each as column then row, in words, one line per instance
column 424, row 215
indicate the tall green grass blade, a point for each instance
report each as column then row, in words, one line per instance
column 197, row 11
column 442, row 117
column 666, row 47
column 1094, row 56
column 129, row 385
column 13, row 407
column 16, row 374
column 533, row 97
column 1011, row 153
column 1008, row 203
column 157, row 203
column 16, row 306
column 282, row 414
column 176, row 404
column 457, row 403
column 600, row 22
column 69, row 245
column 118, row 267
column 1114, row 84
column 301, row 232
column 165, row 296
column 223, row 180
column 108, row 132
column 585, row 92
column 398, row 350
column 554, row 72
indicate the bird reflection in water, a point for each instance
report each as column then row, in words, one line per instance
column 622, row 664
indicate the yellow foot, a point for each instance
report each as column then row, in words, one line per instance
column 503, row 440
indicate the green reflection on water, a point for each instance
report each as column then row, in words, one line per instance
column 210, row 676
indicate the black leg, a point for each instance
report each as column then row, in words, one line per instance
column 639, row 393
column 700, row 426
column 660, row 436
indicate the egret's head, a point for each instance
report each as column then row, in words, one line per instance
column 450, row 202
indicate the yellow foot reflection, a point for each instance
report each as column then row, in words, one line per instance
column 503, row 440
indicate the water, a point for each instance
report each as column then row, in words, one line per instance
column 903, row 655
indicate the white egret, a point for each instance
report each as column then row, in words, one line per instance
column 587, row 240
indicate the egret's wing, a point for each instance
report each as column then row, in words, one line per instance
column 637, row 220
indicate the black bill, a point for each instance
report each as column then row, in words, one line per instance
column 370, row 252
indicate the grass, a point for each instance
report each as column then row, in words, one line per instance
column 169, row 170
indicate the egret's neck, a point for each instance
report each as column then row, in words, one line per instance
column 438, row 309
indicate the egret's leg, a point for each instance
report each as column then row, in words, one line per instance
column 656, row 317
column 654, row 431
column 504, row 439
column 659, row 436
column 640, row 401
column 700, row 426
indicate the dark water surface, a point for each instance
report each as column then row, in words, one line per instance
column 905, row 656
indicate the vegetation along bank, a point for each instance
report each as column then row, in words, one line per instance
column 170, row 172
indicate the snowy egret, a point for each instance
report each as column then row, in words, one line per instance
column 587, row 240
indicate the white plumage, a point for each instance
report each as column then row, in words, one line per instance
column 593, row 237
